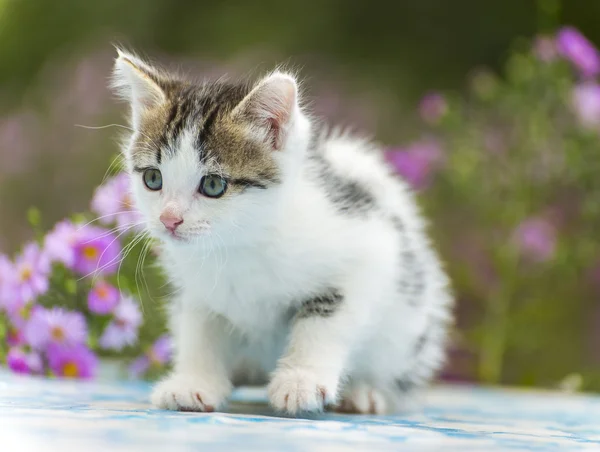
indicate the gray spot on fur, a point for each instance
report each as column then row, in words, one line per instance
column 422, row 339
column 348, row 196
column 323, row 305
column 412, row 282
column 405, row 384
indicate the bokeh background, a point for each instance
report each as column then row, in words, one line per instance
column 496, row 131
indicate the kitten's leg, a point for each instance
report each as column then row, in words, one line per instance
column 199, row 381
column 323, row 334
column 395, row 386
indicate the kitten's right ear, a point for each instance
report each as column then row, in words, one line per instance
column 139, row 83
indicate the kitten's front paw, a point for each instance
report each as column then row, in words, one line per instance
column 295, row 389
column 363, row 399
column 189, row 393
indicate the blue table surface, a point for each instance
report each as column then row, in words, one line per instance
column 47, row 415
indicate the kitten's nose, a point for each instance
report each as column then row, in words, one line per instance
column 171, row 221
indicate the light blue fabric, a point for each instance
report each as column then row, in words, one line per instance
column 48, row 415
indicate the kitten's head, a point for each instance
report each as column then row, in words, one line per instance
column 207, row 158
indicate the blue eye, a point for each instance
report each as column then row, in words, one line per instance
column 152, row 179
column 212, row 186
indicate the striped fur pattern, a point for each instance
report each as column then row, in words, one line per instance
column 311, row 270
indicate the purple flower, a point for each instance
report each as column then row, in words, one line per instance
column 139, row 366
column 15, row 337
column 160, row 352
column 18, row 317
column 573, row 46
column 433, row 107
column 586, row 103
column 114, row 203
column 32, row 269
column 59, row 244
column 116, row 336
column 123, row 330
column 536, row 239
column 417, row 162
column 76, row 361
column 24, row 363
column 544, row 48
column 55, row 326
column 96, row 250
column 103, row 298
column 7, row 282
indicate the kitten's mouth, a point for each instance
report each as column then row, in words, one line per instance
column 175, row 236
column 183, row 238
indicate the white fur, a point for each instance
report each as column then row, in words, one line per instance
column 250, row 260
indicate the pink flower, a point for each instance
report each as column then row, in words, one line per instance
column 573, row 46
column 416, row 163
column 59, row 244
column 75, row 361
column 24, row 363
column 103, row 298
column 32, row 269
column 114, row 203
column 55, row 326
column 586, row 103
column 123, row 330
column 536, row 239
column 433, row 107
column 96, row 250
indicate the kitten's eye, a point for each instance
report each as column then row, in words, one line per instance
column 153, row 179
column 212, row 186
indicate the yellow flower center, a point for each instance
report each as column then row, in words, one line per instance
column 89, row 252
column 26, row 273
column 70, row 369
column 57, row 333
column 102, row 291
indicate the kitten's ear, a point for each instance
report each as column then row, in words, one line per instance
column 139, row 83
column 271, row 106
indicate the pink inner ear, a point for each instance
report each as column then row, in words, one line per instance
column 275, row 133
column 272, row 104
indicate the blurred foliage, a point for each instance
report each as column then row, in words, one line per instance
column 512, row 149
column 516, row 213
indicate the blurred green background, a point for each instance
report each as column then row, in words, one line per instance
column 367, row 64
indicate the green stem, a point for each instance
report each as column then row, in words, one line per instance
column 494, row 340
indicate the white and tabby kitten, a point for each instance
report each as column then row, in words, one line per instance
column 298, row 258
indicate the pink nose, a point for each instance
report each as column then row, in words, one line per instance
column 171, row 222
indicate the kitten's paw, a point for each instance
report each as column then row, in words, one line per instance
column 295, row 390
column 363, row 399
column 189, row 393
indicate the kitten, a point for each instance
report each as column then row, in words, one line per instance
column 299, row 258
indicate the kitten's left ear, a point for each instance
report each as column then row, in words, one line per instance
column 139, row 83
column 271, row 106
